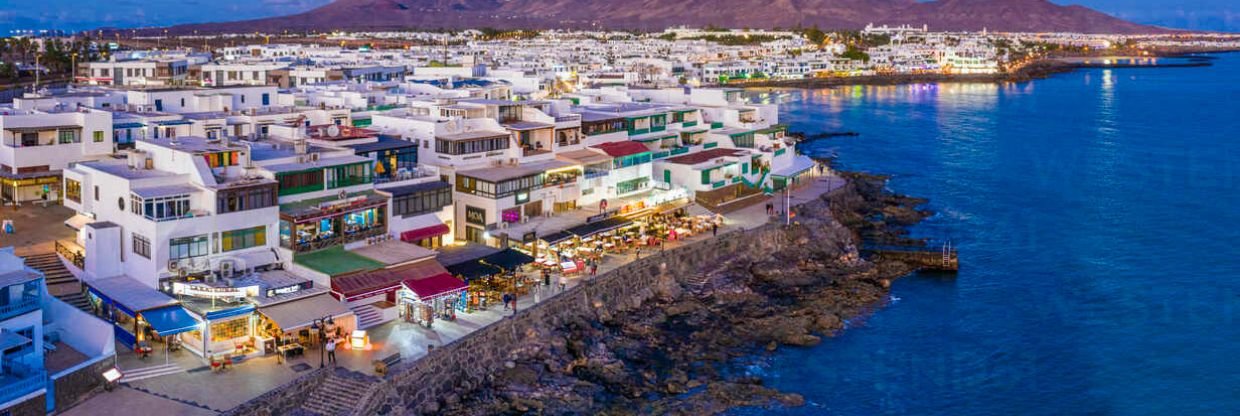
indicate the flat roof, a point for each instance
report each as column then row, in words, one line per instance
column 502, row 173
column 471, row 135
column 130, row 293
column 321, row 163
column 584, row 156
column 195, row 144
column 704, row 156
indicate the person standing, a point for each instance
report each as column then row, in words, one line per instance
column 331, row 350
column 714, row 229
column 564, row 281
column 593, row 268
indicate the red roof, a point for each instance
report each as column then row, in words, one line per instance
column 428, row 288
column 621, row 149
column 364, row 284
column 705, row 155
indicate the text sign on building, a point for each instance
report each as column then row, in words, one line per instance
column 475, row 215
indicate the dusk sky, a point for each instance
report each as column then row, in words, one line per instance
column 87, row 14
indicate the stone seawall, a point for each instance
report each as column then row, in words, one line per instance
column 417, row 387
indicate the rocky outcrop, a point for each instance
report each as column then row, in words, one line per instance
column 673, row 353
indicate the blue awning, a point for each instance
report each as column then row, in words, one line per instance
column 228, row 313
column 170, row 320
column 127, row 125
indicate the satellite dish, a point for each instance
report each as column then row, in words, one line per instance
column 333, row 131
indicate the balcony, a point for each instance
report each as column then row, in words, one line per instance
column 28, row 302
column 19, row 380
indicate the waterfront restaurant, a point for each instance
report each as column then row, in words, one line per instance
column 289, row 306
column 490, row 276
column 328, row 221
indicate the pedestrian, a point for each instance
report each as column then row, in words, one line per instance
column 507, row 300
column 331, row 350
column 564, row 282
column 594, row 269
column 638, row 252
column 546, row 277
column 714, row 229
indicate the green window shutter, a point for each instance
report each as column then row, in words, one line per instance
column 705, row 177
column 667, row 175
column 744, row 168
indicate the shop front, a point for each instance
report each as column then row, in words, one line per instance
column 490, row 277
column 125, row 303
column 424, row 300
column 27, row 186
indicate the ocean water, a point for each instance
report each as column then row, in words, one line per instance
column 1098, row 218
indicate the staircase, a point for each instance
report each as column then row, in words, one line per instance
column 367, row 316
column 77, row 300
column 337, row 395
column 60, row 282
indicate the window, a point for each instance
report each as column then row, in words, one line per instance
column 96, row 192
column 242, row 239
column 266, row 99
column 141, row 246
column 464, row 147
column 98, row 137
column 187, row 247
column 160, row 208
column 67, row 136
column 349, row 175
column 422, row 202
column 73, row 190
column 632, row 160
column 633, row 185
column 300, row 182
column 216, row 160
column 227, row 330
column 244, row 199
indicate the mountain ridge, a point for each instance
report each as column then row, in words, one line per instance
column 649, row 15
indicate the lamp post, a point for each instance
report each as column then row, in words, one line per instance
column 320, row 325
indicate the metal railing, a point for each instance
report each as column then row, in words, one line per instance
column 77, row 257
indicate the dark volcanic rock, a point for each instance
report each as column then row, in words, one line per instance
column 677, row 354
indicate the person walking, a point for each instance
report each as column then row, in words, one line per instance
column 331, row 350
column 507, row 300
column 594, row 268
column 546, row 277
column 714, row 229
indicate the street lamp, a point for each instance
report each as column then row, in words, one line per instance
column 322, row 330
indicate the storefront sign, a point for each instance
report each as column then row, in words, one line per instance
column 289, row 289
column 475, row 215
column 203, row 291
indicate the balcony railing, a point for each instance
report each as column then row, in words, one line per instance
column 339, row 239
column 26, row 304
column 21, row 383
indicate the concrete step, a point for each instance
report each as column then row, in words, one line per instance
column 149, row 372
column 367, row 316
column 77, row 300
column 336, row 396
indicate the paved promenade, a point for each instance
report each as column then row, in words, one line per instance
column 184, row 385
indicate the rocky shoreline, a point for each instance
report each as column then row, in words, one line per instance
column 676, row 353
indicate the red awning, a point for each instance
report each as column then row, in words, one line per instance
column 366, row 284
column 428, row 288
column 424, row 233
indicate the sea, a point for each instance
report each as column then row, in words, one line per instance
column 1097, row 215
